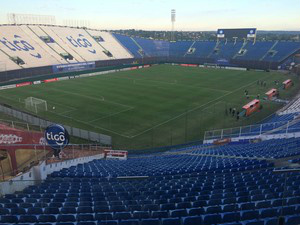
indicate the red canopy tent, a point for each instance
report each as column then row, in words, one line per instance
column 252, row 107
column 287, row 83
column 271, row 93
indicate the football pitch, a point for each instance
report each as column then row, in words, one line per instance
column 156, row 106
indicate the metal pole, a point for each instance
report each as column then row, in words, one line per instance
column 186, row 126
column 2, row 170
column 260, row 130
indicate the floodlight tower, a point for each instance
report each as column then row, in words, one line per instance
column 173, row 17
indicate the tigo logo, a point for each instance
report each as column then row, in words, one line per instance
column 57, row 136
column 17, row 44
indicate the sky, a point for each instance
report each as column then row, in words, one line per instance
column 191, row 15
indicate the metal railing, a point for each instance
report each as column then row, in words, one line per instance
column 25, row 156
column 254, row 130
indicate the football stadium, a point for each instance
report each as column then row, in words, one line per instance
column 140, row 127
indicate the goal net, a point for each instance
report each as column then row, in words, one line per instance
column 35, row 104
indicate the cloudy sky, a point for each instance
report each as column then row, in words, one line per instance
column 155, row 14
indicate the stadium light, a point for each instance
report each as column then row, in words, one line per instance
column 173, row 18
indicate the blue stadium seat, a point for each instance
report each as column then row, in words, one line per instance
column 293, row 220
column 271, row 221
column 108, row 222
column 28, row 219
column 150, row 222
column 250, row 215
column 191, row 220
column 178, row 213
column 103, row 216
column 9, row 219
column 100, row 209
column 47, row 218
column 51, row 210
column 210, row 219
column 255, row 223
column 17, row 211
column 85, row 217
column 171, row 221
column 141, row 215
column 213, row 209
column 151, row 207
column 160, row 214
column 195, row 211
column 34, row 211
column 84, row 209
column 65, row 218
column 68, row 210
column 231, row 217
column 118, row 208
column 122, row 216
column 86, row 223
column 129, row 222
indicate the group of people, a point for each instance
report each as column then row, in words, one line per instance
column 233, row 112
column 261, row 83
column 247, row 94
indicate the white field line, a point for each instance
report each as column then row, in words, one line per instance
column 98, row 127
column 94, row 98
column 116, row 113
column 170, row 83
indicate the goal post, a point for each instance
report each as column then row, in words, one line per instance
column 35, row 104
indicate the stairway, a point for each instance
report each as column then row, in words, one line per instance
column 189, row 48
column 140, row 48
column 265, row 55
column 243, row 47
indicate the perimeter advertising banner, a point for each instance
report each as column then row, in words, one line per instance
column 73, row 67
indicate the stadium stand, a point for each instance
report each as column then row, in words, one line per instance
column 153, row 48
column 110, row 43
column 77, row 42
column 293, row 108
column 6, row 63
column 282, row 50
column 180, row 48
column 129, row 43
column 228, row 50
column 200, row 184
column 184, row 188
column 30, row 46
column 22, row 49
column 203, row 49
column 255, row 51
column 50, row 42
column 29, row 30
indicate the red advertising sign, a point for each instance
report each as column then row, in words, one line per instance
column 189, row 65
column 50, row 80
column 134, row 68
column 23, row 84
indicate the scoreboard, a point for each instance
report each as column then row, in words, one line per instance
column 244, row 33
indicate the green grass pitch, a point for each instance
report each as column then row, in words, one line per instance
column 151, row 107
